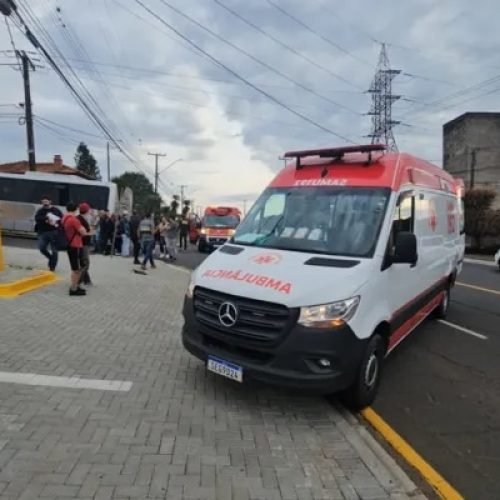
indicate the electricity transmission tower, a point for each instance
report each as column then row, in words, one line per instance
column 382, row 101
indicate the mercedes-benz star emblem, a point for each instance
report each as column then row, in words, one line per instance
column 228, row 314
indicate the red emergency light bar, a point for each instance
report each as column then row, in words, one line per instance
column 336, row 153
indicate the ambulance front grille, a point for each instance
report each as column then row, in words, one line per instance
column 257, row 321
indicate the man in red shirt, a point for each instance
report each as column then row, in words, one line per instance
column 74, row 231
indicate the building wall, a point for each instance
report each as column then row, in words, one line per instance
column 474, row 139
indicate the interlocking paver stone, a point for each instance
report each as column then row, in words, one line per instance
column 179, row 432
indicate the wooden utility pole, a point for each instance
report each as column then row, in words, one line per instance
column 157, row 175
column 28, row 113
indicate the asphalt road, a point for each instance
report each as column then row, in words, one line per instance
column 441, row 387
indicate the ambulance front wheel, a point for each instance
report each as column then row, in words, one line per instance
column 442, row 309
column 364, row 389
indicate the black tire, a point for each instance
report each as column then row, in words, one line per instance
column 364, row 389
column 201, row 247
column 441, row 310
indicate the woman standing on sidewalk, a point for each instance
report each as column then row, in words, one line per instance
column 146, row 235
column 74, row 231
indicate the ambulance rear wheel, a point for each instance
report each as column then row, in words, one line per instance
column 364, row 389
column 441, row 310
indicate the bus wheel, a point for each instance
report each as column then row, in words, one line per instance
column 442, row 309
column 362, row 392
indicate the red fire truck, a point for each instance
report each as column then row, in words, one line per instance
column 217, row 226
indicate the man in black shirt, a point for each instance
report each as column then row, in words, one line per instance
column 135, row 220
column 48, row 218
column 106, row 230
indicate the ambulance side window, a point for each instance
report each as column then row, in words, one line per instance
column 404, row 218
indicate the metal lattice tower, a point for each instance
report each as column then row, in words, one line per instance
column 382, row 101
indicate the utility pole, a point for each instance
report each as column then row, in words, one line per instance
column 157, row 175
column 473, row 154
column 108, row 162
column 182, row 186
column 28, row 113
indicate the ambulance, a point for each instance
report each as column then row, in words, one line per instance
column 217, row 226
column 343, row 255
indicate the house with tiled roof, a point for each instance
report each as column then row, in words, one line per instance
column 55, row 167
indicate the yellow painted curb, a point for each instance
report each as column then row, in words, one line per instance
column 438, row 483
column 23, row 285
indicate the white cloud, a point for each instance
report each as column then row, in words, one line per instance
column 229, row 136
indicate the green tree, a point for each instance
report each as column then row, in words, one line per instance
column 145, row 198
column 480, row 219
column 86, row 163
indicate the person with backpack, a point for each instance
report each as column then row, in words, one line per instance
column 85, row 219
column 73, row 232
column 47, row 219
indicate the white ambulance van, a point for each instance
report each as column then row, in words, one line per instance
column 344, row 254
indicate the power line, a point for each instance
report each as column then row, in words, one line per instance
column 12, row 43
column 196, row 77
column 255, row 59
column 282, row 44
column 81, row 101
column 78, row 131
column 237, row 75
column 316, row 33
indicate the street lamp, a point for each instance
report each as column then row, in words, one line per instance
column 171, row 164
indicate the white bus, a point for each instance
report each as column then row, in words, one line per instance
column 20, row 196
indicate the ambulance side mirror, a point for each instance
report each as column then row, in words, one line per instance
column 405, row 249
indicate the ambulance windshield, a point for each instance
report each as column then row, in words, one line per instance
column 327, row 220
column 221, row 220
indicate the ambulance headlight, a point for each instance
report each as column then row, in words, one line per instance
column 329, row 315
column 190, row 288
column 203, row 231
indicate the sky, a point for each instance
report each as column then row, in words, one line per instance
column 274, row 75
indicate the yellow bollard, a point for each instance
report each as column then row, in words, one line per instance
column 2, row 264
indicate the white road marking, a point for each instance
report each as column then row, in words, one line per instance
column 463, row 330
column 66, row 382
column 480, row 262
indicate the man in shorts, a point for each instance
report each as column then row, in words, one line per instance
column 74, row 231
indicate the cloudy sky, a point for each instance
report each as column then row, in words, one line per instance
column 159, row 94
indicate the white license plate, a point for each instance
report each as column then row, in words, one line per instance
column 225, row 368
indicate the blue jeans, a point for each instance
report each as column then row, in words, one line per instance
column 46, row 240
column 147, row 248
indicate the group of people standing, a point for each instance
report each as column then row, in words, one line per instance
column 84, row 230
column 72, row 232
column 164, row 234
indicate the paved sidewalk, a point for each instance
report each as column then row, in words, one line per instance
column 178, row 432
